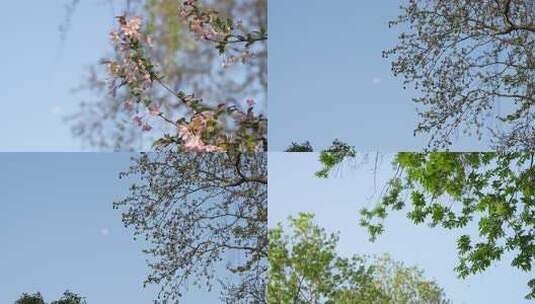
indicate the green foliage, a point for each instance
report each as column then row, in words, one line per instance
column 300, row 147
column 163, row 23
column 453, row 190
column 70, row 298
column 305, row 268
column 36, row 298
column 333, row 156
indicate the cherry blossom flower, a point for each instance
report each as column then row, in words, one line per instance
column 146, row 127
column 128, row 105
column 193, row 142
column 131, row 27
column 114, row 37
column 207, row 128
column 154, row 109
column 137, row 120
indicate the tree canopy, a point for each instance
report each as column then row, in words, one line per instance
column 305, row 268
column 26, row 298
column 36, row 298
column 199, row 211
column 492, row 192
column 465, row 57
column 300, row 147
column 70, row 298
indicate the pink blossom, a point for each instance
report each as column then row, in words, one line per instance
column 146, row 127
column 213, row 149
column 229, row 61
column 131, row 27
column 128, row 105
column 137, row 120
column 184, row 13
column 246, row 56
column 198, row 123
column 183, row 131
column 147, row 80
column 251, row 102
column 154, row 109
column 198, row 27
column 193, row 142
column 114, row 37
column 233, row 59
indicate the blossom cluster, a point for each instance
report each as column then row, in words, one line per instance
column 197, row 21
column 132, row 68
column 209, row 25
column 203, row 127
column 243, row 57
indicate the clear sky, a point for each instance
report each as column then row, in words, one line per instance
column 293, row 188
column 59, row 231
column 38, row 71
column 327, row 78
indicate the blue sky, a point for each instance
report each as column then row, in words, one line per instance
column 59, row 230
column 293, row 188
column 38, row 71
column 327, row 78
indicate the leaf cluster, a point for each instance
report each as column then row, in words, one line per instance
column 36, row 298
column 455, row 191
column 305, row 268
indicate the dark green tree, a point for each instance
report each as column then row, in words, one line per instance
column 300, row 147
column 465, row 57
column 70, row 298
column 35, row 298
column 199, row 211
column 305, row 268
